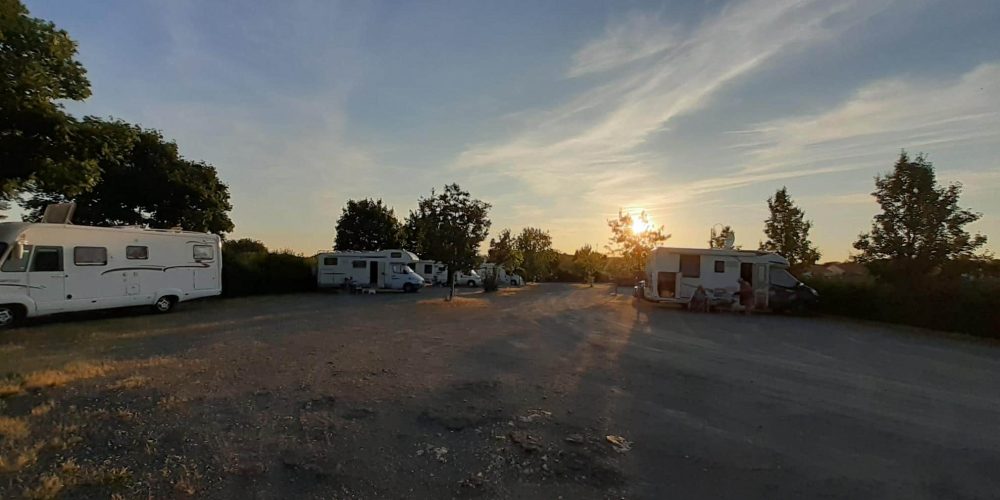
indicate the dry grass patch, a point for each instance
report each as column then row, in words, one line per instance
column 133, row 382
column 42, row 409
column 7, row 348
column 14, row 428
column 48, row 486
column 171, row 402
column 20, row 459
column 83, row 370
column 455, row 302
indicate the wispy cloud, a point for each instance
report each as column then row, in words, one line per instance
column 899, row 112
column 636, row 37
column 596, row 137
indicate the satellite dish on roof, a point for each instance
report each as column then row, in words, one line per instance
column 59, row 213
column 730, row 239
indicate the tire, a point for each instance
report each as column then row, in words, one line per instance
column 408, row 288
column 164, row 304
column 9, row 316
column 472, row 283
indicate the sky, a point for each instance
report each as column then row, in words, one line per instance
column 558, row 113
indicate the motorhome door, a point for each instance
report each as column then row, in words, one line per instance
column 761, row 284
column 373, row 273
column 47, row 278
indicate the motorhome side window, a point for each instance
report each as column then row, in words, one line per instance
column 329, row 261
column 136, row 252
column 359, row 264
column 90, row 256
column 720, row 266
column 204, row 252
column 428, row 268
column 691, row 266
column 395, row 255
column 15, row 265
column 47, row 259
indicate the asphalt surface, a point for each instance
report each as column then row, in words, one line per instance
column 514, row 395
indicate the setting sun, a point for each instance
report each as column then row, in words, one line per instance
column 640, row 224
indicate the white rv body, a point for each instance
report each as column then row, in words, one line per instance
column 502, row 275
column 65, row 268
column 470, row 278
column 430, row 271
column 384, row 269
column 673, row 274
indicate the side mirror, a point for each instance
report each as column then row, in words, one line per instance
column 18, row 250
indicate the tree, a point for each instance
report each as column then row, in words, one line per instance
column 718, row 239
column 449, row 227
column 368, row 225
column 144, row 181
column 243, row 245
column 38, row 70
column 535, row 245
column 502, row 251
column 633, row 245
column 921, row 226
column 589, row 262
column 787, row 231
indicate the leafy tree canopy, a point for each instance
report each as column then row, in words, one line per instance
column 921, row 226
column 502, row 251
column 448, row 227
column 787, row 231
column 632, row 246
column 143, row 181
column 243, row 245
column 589, row 262
column 535, row 246
column 37, row 69
column 368, row 225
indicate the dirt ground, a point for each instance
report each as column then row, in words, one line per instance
column 548, row 391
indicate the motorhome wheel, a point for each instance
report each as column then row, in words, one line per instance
column 472, row 283
column 8, row 316
column 163, row 304
column 408, row 288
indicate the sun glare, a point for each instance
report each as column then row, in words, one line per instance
column 639, row 225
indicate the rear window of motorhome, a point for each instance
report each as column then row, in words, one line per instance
column 204, row 252
column 136, row 253
column 720, row 266
column 15, row 265
column 360, row 264
column 329, row 261
column 47, row 259
column 90, row 256
column 691, row 266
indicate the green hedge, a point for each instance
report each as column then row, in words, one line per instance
column 971, row 307
column 250, row 273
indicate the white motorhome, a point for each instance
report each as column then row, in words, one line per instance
column 673, row 274
column 470, row 278
column 430, row 271
column 384, row 269
column 48, row 268
column 502, row 275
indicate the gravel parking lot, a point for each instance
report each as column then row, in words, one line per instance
column 543, row 391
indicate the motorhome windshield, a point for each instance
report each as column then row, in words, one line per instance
column 781, row 277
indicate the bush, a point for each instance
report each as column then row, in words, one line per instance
column 491, row 281
column 251, row 273
column 971, row 306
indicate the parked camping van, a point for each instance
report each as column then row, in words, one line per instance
column 502, row 275
column 673, row 275
column 50, row 268
column 470, row 278
column 384, row 269
column 432, row 272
